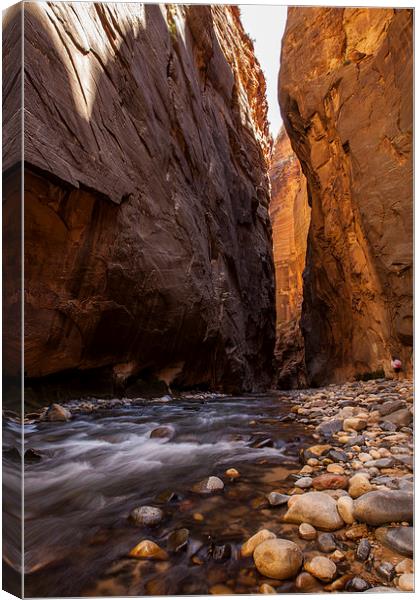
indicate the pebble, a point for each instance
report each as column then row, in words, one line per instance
column 304, row 482
column 406, row 582
column 232, row 473
column 315, row 508
column 328, row 481
column 277, row 499
column 306, row 582
column 146, row 516
column 321, row 567
column 208, row 486
column 363, row 550
column 345, row 509
column 326, row 542
column 384, row 506
column 178, row 540
column 266, row 588
column 278, row 558
column 148, row 549
column 405, row 566
column 258, row 538
column 335, row 468
column 354, row 424
column 359, row 484
column 357, row 584
column 307, row 532
column 386, row 570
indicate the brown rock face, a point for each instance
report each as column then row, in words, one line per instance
column 148, row 241
column 290, row 215
column 346, row 99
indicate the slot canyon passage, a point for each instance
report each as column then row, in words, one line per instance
column 210, row 314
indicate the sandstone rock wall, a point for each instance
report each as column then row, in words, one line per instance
column 290, row 215
column 345, row 91
column 148, row 242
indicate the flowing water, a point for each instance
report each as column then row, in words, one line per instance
column 85, row 476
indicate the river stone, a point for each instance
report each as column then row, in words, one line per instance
column 386, row 570
column 354, row 424
column 326, row 542
column 266, row 588
column 316, row 451
column 384, row 506
column 405, row 566
column 337, row 455
column 321, row 567
column 306, row 582
column 56, row 412
column 208, row 486
column 391, row 406
column 345, row 509
column 357, row 584
column 277, row 499
column 304, row 482
column 335, row 468
column 406, row 582
column 315, row 508
column 178, row 539
column 307, row 532
column 165, row 431
column 359, row 484
column 278, row 558
column 379, row 590
column 400, row 539
column 363, row 550
column 146, row 516
column 327, row 428
column 232, row 473
column 148, row 549
column 400, row 417
column 330, row 481
column 258, row 538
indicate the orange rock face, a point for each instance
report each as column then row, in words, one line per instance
column 346, row 99
column 147, row 236
column 290, row 215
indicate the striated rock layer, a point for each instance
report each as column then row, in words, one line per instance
column 290, row 215
column 148, row 241
column 345, row 91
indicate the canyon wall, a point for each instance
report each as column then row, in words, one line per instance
column 147, row 235
column 290, row 215
column 345, row 91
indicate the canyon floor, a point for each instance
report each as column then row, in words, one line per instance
column 165, row 497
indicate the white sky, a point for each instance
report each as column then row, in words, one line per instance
column 265, row 25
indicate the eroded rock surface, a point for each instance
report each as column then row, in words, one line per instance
column 290, row 215
column 148, row 240
column 346, row 99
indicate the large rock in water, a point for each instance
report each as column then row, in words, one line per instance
column 346, row 94
column 315, row 508
column 290, row 214
column 148, row 240
column 384, row 506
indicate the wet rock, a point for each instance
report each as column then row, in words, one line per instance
column 321, row 567
column 165, row 431
column 278, row 558
column 307, row 532
column 359, row 484
column 363, row 550
column 210, row 485
column 148, row 549
column 386, row 571
column 277, row 499
column 400, row 539
column 384, row 506
column 406, row 582
column 316, row 451
column 178, row 540
column 232, row 473
column 32, row 456
column 357, row 584
column 345, row 509
column 56, row 412
column 337, row 455
column 326, row 542
column 146, row 516
column 315, row 508
column 331, row 481
column 400, row 417
column 258, row 538
column 262, row 443
column 168, row 496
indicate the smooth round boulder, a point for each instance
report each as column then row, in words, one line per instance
column 345, row 509
column 400, row 539
column 305, row 582
column 304, row 482
column 359, row 484
column 266, row 588
column 277, row 499
column 406, row 582
column 258, row 538
column 321, row 567
column 384, row 506
column 328, row 481
column 146, row 516
column 278, row 558
column 56, row 412
column 164, row 431
column 315, row 508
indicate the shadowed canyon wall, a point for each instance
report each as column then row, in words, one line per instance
column 290, row 215
column 345, row 91
column 148, row 240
